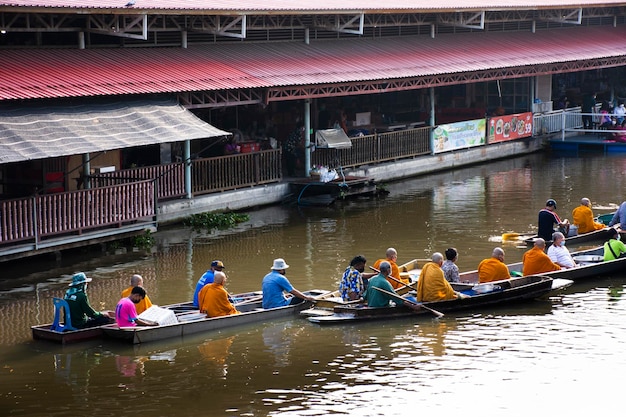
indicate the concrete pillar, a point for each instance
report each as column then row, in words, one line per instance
column 187, row 161
column 86, row 171
column 431, row 91
column 307, row 138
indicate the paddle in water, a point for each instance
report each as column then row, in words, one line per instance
column 396, row 296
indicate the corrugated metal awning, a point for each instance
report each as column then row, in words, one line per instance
column 332, row 138
column 46, row 131
column 49, row 73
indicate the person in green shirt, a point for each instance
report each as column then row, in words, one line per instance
column 380, row 299
column 614, row 248
column 81, row 312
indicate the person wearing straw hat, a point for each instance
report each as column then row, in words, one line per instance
column 82, row 314
column 275, row 285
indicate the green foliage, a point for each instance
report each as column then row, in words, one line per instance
column 145, row 241
column 210, row 221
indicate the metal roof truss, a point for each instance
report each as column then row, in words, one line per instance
column 574, row 17
column 464, row 20
column 134, row 27
column 228, row 26
column 341, row 23
column 225, row 98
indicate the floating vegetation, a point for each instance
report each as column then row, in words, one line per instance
column 210, row 221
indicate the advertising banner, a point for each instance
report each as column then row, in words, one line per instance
column 511, row 126
column 459, row 135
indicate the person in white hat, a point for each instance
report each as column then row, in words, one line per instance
column 275, row 285
column 81, row 312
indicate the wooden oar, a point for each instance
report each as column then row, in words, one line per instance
column 437, row 314
column 394, row 279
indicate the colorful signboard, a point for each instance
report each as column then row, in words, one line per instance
column 509, row 127
column 459, row 135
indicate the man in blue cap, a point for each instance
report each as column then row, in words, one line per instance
column 81, row 312
column 207, row 278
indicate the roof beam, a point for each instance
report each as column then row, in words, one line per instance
column 464, row 20
column 228, row 26
column 133, row 27
column 341, row 23
column 573, row 16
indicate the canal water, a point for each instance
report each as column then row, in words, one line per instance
column 561, row 356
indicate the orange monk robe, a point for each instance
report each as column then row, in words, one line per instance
column 432, row 285
column 395, row 272
column 583, row 218
column 492, row 269
column 141, row 306
column 535, row 261
column 213, row 299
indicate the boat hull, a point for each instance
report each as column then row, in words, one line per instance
column 43, row 332
column 592, row 265
column 191, row 323
column 513, row 290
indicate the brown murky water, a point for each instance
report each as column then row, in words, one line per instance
column 545, row 358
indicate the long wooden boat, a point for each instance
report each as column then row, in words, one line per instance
column 44, row 332
column 192, row 322
column 506, row 291
column 590, row 264
column 601, row 235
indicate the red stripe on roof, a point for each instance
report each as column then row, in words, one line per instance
column 45, row 73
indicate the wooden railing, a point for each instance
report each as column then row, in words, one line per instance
column 170, row 179
column 374, row 148
column 235, row 171
column 41, row 216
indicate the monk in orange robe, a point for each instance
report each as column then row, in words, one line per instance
column 137, row 281
column 432, row 284
column 494, row 268
column 583, row 217
column 536, row 261
column 392, row 256
column 213, row 298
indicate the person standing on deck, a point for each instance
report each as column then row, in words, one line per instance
column 588, row 107
column 548, row 218
column 137, row 281
column 582, row 217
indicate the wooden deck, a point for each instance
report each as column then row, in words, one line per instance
column 590, row 142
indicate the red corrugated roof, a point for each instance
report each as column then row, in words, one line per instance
column 297, row 5
column 45, row 73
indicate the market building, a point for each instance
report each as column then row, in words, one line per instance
column 114, row 116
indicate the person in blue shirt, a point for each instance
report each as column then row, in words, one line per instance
column 207, row 278
column 620, row 215
column 275, row 285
